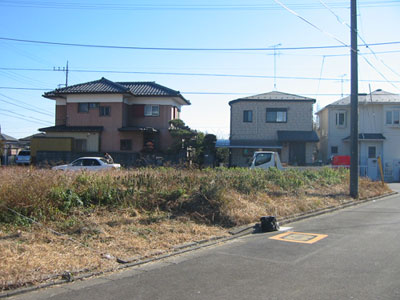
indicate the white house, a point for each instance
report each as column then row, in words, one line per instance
column 379, row 132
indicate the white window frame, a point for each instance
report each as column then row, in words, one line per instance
column 337, row 119
column 151, row 110
column 394, row 117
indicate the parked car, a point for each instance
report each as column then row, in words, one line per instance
column 23, row 157
column 88, row 163
column 265, row 160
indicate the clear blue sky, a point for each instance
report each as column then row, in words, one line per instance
column 191, row 24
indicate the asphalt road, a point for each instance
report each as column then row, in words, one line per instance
column 358, row 259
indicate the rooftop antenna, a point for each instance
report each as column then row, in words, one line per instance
column 63, row 69
column 274, row 46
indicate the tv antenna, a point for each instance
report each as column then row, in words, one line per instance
column 274, row 46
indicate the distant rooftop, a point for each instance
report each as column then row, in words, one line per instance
column 378, row 96
column 274, row 96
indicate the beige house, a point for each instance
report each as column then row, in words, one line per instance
column 272, row 121
column 107, row 116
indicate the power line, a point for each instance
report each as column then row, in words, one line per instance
column 179, row 74
column 30, row 109
column 22, row 118
column 200, row 7
column 33, row 118
column 187, row 49
column 369, row 48
column 311, row 24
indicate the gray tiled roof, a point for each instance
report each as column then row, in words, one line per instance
column 5, row 137
column 105, row 86
column 148, row 89
column 274, row 96
column 378, row 96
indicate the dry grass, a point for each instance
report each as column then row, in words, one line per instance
column 142, row 213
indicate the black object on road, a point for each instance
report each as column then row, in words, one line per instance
column 269, row 223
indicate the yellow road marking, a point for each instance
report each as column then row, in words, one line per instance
column 299, row 237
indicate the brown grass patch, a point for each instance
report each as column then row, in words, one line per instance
column 142, row 213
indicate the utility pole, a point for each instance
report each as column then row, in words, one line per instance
column 63, row 69
column 354, row 104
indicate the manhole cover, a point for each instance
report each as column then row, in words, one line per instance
column 299, row 237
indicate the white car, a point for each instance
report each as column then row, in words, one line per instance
column 88, row 163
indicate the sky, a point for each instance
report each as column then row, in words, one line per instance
column 274, row 38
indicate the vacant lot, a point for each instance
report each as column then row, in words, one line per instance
column 78, row 221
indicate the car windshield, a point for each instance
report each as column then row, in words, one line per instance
column 24, row 153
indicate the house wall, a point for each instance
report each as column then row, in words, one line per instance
column 336, row 134
column 392, row 133
column 61, row 114
column 136, row 117
column 92, row 139
column 299, row 117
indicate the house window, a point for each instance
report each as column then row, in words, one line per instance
column 276, row 115
column 83, row 107
column 341, row 119
column 372, row 152
column 334, row 150
column 104, row 111
column 248, row 116
column 151, row 110
column 393, row 117
column 93, row 105
column 80, row 145
column 126, row 145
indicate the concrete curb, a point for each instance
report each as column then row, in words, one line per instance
column 192, row 246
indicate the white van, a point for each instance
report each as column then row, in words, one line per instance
column 265, row 160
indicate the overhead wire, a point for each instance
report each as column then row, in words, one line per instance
column 30, row 109
column 23, row 116
column 191, row 49
column 367, row 46
column 115, row 6
column 178, row 74
column 311, row 24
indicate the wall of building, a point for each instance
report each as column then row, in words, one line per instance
column 299, row 117
column 61, row 114
column 92, row 138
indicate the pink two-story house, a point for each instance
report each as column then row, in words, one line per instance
column 107, row 116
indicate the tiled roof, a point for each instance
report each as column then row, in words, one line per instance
column 297, row 136
column 378, row 96
column 102, row 85
column 64, row 128
column 105, row 86
column 5, row 137
column 148, row 89
column 274, row 96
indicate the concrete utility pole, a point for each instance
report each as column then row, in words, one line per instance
column 354, row 104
